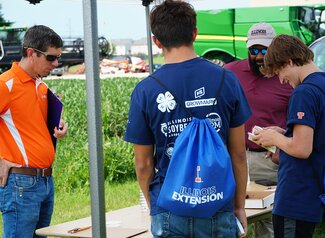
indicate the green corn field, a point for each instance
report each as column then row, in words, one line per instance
column 72, row 151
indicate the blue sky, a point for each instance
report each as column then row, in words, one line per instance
column 116, row 18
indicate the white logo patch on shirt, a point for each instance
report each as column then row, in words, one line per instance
column 199, row 92
column 166, row 102
column 200, row 102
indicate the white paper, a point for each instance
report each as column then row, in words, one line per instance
column 240, row 229
column 250, row 137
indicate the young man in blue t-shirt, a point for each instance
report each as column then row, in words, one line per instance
column 268, row 100
column 297, row 206
column 155, row 120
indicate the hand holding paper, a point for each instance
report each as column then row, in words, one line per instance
column 251, row 135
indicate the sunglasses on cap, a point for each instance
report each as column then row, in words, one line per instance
column 254, row 51
column 48, row 57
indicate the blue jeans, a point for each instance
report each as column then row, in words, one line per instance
column 26, row 204
column 166, row 224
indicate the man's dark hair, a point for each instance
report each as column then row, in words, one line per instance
column 41, row 38
column 173, row 23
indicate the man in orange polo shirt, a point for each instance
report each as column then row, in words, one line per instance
column 26, row 148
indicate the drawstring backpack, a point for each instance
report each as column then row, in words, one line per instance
column 199, row 179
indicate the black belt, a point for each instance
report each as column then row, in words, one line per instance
column 31, row 171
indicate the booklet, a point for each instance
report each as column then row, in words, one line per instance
column 53, row 113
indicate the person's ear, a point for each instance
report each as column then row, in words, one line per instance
column 290, row 62
column 157, row 42
column 194, row 34
column 30, row 52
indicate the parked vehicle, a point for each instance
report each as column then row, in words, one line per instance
column 318, row 47
column 222, row 33
column 11, row 38
column 58, row 71
column 72, row 50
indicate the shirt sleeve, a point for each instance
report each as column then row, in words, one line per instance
column 303, row 108
column 138, row 129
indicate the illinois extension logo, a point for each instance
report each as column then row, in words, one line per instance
column 198, row 179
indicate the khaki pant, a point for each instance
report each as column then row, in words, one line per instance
column 261, row 168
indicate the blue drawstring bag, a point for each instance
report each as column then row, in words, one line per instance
column 199, row 179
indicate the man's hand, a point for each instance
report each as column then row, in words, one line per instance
column 62, row 130
column 4, row 170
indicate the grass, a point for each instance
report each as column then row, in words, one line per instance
column 320, row 230
column 76, row 204
column 159, row 59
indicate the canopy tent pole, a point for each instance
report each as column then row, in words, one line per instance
column 146, row 3
column 95, row 144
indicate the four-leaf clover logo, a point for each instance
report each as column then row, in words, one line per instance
column 166, row 102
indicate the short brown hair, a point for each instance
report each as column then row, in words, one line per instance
column 282, row 49
column 40, row 37
column 173, row 23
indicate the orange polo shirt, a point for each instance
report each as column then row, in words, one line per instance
column 24, row 137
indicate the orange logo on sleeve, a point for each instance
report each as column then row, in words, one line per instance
column 300, row 115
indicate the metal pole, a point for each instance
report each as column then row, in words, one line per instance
column 149, row 42
column 95, row 144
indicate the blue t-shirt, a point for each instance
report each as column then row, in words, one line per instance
column 301, row 180
column 156, row 119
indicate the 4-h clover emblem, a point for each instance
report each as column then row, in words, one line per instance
column 166, row 102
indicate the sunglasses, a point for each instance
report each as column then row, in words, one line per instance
column 48, row 57
column 254, row 51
